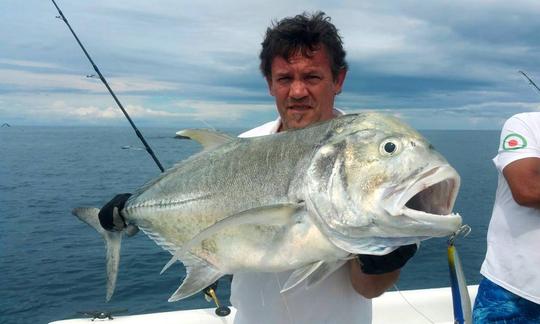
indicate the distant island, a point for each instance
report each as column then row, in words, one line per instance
column 6, row 125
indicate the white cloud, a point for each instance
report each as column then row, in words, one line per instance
column 23, row 63
column 54, row 81
column 220, row 110
column 96, row 114
column 45, row 108
column 178, row 59
column 486, row 115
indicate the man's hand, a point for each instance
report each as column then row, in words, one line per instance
column 379, row 264
column 109, row 215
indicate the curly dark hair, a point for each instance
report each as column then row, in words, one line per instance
column 305, row 33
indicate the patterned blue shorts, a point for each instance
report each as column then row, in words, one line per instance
column 496, row 305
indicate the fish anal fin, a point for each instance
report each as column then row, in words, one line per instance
column 199, row 275
column 170, row 263
column 209, row 139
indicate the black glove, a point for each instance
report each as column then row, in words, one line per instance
column 109, row 215
column 379, row 264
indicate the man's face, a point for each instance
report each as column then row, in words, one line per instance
column 304, row 88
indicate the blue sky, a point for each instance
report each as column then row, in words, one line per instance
column 436, row 64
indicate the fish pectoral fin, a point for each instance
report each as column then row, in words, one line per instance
column 279, row 214
column 209, row 139
column 312, row 273
column 199, row 275
column 269, row 215
column 322, row 272
column 300, row 275
column 112, row 240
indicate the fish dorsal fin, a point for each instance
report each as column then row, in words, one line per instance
column 209, row 139
column 278, row 214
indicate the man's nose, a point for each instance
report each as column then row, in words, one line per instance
column 298, row 90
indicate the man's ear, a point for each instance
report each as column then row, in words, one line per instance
column 339, row 80
column 269, row 83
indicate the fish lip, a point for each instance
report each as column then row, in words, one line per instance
column 440, row 184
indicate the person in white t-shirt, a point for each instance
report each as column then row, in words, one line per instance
column 303, row 62
column 510, row 289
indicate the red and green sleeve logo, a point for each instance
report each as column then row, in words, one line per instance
column 514, row 142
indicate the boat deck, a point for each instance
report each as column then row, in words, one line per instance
column 418, row 306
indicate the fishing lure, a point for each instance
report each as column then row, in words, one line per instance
column 461, row 300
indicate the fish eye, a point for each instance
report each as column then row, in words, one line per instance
column 389, row 146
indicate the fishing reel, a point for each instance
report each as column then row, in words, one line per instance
column 210, row 295
column 102, row 314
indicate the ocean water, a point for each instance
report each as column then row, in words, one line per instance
column 52, row 265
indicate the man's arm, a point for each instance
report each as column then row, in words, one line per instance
column 523, row 177
column 371, row 286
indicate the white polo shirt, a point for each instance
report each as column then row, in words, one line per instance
column 513, row 240
column 257, row 296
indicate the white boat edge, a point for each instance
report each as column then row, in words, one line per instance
column 433, row 305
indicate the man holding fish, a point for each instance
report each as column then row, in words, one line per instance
column 303, row 62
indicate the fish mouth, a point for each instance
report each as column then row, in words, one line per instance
column 430, row 199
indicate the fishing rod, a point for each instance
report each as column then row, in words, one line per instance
column 210, row 290
column 104, row 81
column 530, row 81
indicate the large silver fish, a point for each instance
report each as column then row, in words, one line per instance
column 305, row 199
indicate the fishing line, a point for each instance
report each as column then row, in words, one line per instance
column 412, row 306
column 104, row 81
column 463, row 231
column 284, row 298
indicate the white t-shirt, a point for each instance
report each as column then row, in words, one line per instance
column 257, row 296
column 513, row 240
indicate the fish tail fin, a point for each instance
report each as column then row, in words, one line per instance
column 112, row 240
